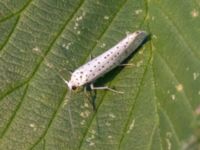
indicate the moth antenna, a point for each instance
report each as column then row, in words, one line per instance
column 51, row 66
column 70, row 118
column 67, row 82
column 58, row 73
column 70, row 71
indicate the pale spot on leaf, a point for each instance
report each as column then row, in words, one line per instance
column 33, row 126
column 92, row 144
column 78, row 32
column 173, row 97
column 85, row 114
column 131, row 126
column 138, row 11
column 110, row 137
column 82, row 122
column 103, row 45
column 197, row 111
column 106, row 17
column 108, row 124
column 36, row 49
column 194, row 13
column 195, row 75
column 112, row 116
column 179, row 87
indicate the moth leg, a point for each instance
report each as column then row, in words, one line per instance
column 85, row 89
column 90, row 97
column 131, row 64
column 104, row 88
column 91, row 56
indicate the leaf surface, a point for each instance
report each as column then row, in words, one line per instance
column 42, row 40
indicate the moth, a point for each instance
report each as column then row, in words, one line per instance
column 88, row 73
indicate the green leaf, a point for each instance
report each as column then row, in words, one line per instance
column 42, row 40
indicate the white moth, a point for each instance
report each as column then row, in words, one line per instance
column 97, row 67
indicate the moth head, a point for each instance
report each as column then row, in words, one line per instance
column 73, row 87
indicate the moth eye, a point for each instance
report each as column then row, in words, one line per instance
column 74, row 87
